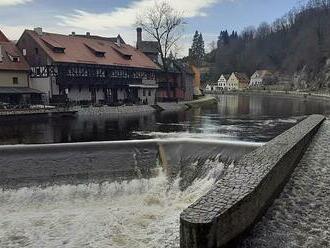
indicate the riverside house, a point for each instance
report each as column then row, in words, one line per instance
column 238, row 81
column 179, row 82
column 260, row 78
column 14, row 76
column 222, row 82
column 88, row 69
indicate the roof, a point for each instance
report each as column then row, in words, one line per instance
column 9, row 49
column 3, row 37
column 86, row 50
column 112, row 39
column 242, row 77
column 19, row 90
column 148, row 46
column 263, row 73
column 227, row 76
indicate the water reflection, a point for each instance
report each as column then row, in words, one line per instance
column 251, row 118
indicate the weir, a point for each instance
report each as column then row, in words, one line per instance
column 240, row 197
column 30, row 165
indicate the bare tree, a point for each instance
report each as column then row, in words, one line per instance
column 165, row 25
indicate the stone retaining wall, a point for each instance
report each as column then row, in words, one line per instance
column 242, row 195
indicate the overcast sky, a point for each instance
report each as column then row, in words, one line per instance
column 112, row 17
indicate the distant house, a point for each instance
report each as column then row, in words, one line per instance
column 222, row 82
column 260, row 78
column 88, row 69
column 14, row 76
column 238, row 81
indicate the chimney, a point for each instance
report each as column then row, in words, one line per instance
column 1, row 57
column 138, row 36
column 88, row 34
column 118, row 40
column 38, row 30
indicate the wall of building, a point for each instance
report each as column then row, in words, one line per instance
column 148, row 94
column 79, row 95
column 242, row 195
column 33, row 57
column 6, row 79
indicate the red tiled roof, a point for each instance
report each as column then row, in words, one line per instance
column 9, row 49
column 3, row 37
column 77, row 50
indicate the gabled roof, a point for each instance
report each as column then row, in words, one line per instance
column 9, row 51
column 148, row 47
column 112, row 39
column 242, row 77
column 226, row 76
column 263, row 73
column 3, row 37
column 85, row 50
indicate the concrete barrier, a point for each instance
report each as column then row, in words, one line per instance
column 241, row 196
column 28, row 165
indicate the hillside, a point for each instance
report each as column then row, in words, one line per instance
column 298, row 44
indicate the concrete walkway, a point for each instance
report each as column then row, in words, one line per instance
column 300, row 217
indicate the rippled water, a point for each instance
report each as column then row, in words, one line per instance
column 137, row 213
column 250, row 118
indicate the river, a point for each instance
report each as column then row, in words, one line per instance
column 249, row 118
column 143, row 211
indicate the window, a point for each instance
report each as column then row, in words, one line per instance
column 15, row 80
column 149, row 93
column 24, row 52
column 37, row 50
column 144, row 92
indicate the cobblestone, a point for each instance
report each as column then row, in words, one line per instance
column 300, row 217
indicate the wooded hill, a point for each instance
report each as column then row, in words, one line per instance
column 299, row 42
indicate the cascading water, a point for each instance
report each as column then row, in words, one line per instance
column 134, row 213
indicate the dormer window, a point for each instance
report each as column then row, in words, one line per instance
column 54, row 45
column 13, row 58
column 98, row 52
column 123, row 53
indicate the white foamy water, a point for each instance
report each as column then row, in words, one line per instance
column 137, row 213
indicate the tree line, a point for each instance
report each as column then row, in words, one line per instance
column 299, row 40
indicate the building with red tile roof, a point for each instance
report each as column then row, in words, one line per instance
column 14, row 75
column 88, row 68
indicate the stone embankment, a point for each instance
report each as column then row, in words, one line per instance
column 243, row 194
column 31, row 112
column 143, row 109
column 300, row 94
column 115, row 111
column 300, row 217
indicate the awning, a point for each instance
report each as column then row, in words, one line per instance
column 143, row 86
column 19, row 90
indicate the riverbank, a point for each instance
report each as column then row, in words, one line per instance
column 37, row 112
column 144, row 109
column 300, row 94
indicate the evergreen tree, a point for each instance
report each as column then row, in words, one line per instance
column 197, row 49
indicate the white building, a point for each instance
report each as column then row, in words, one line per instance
column 260, row 78
column 222, row 82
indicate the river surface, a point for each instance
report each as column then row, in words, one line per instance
column 143, row 211
column 248, row 118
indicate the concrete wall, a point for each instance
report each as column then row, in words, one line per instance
column 27, row 165
column 242, row 195
column 6, row 79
